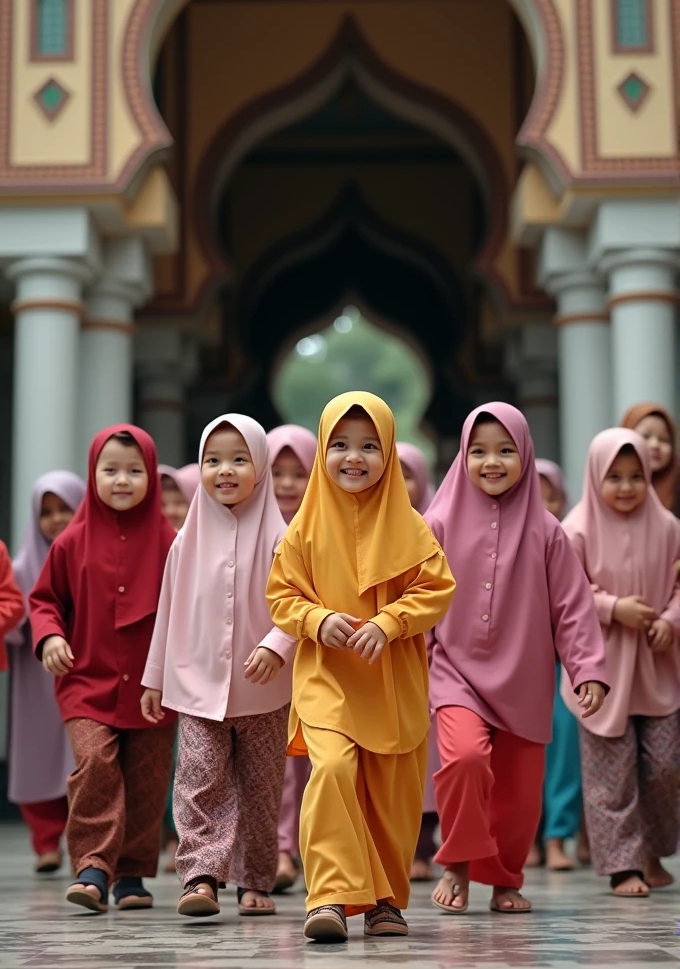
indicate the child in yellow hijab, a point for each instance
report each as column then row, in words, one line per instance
column 358, row 579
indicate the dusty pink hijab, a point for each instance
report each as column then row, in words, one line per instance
column 553, row 473
column 186, row 479
column 415, row 460
column 197, row 609
column 624, row 554
column 301, row 442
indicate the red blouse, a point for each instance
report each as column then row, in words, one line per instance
column 11, row 602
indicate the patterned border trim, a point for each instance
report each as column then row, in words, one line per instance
column 644, row 296
column 66, row 305
column 616, row 48
column 20, row 178
column 596, row 169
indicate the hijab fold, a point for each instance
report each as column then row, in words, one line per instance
column 666, row 482
column 375, row 535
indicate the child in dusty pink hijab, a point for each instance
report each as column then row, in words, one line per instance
column 522, row 597
column 215, row 659
column 628, row 544
column 292, row 449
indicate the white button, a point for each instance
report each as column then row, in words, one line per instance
column 228, row 622
column 494, row 555
column 228, row 654
column 494, row 524
column 229, row 595
column 230, row 564
column 485, row 618
column 494, row 507
column 126, row 677
column 123, row 538
column 233, row 527
column 488, row 585
column 121, row 588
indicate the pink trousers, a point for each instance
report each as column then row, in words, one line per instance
column 295, row 780
column 489, row 794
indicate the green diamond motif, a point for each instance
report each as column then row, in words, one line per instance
column 633, row 89
column 51, row 98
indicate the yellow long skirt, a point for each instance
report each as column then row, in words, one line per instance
column 359, row 823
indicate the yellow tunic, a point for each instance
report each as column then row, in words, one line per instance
column 383, row 707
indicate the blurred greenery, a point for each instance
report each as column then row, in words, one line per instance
column 353, row 354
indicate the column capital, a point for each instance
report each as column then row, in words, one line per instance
column 640, row 257
column 45, row 283
column 49, row 266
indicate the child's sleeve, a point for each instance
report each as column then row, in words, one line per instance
column 50, row 601
column 672, row 611
column 293, row 604
column 155, row 661
column 11, row 601
column 423, row 602
column 604, row 601
column 576, row 629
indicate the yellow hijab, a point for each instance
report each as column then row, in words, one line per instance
column 376, row 533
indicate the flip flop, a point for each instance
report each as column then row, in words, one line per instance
column 195, row 903
column 494, row 907
column 251, row 910
column 449, row 909
column 618, row 879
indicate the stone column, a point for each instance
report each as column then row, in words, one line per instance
column 167, row 361
column 48, row 310
column 106, row 342
column 532, row 366
column 583, row 348
column 642, row 303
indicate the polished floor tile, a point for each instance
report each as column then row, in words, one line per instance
column 575, row 924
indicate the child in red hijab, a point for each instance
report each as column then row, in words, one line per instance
column 92, row 614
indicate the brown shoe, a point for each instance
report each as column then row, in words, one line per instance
column 327, row 923
column 48, row 862
column 385, row 919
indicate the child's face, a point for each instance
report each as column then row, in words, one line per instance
column 493, row 461
column 354, row 459
column 121, row 477
column 175, row 505
column 290, row 481
column 551, row 497
column 624, row 487
column 55, row 515
column 655, row 431
column 227, row 469
column 411, row 484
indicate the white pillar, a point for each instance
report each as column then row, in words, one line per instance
column 47, row 312
column 532, row 365
column 166, row 364
column 106, row 342
column 642, row 301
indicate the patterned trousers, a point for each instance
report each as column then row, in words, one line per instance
column 630, row 793
column 227, row 797
column 117, row 796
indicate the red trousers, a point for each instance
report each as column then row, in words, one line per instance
column 46, row 821
column 489, row 796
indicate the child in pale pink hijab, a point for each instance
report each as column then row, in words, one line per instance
column 421, row 492
column 292, row 449
column 522, row 598
column 215, row 659
column 628, row 544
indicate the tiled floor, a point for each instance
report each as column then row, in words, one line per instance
column 576, row 923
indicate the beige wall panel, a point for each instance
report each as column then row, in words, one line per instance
column 649, row 131
column 563, row 132
column 125, row 135
column 34, row 139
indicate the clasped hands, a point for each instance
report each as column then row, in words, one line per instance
column 634, row 612
column 342, row 631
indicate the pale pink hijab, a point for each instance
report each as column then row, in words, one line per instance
column 186, row 479
column 553, row 473
column 301, row 442
column 415, row 460
column 624, row 554
column 197, row 602
column 461, row 515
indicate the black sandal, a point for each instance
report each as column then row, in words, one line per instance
column 253, row 909
column 622, row 876
column 193, row 902
column 78, row 895
column 129, row 893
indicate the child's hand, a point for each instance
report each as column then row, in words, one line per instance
column 633, row 611
column 336, row 629
column 151, row 706
column 590, row 697
column 263, row 665
column 368, row 642
column 660, row 636
column 57, row 657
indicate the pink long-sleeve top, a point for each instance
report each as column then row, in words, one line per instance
column 626, row 555
column 522, row 598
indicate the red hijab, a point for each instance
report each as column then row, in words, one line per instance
column 148, row 537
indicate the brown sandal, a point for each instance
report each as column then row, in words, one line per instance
column 197, row 904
